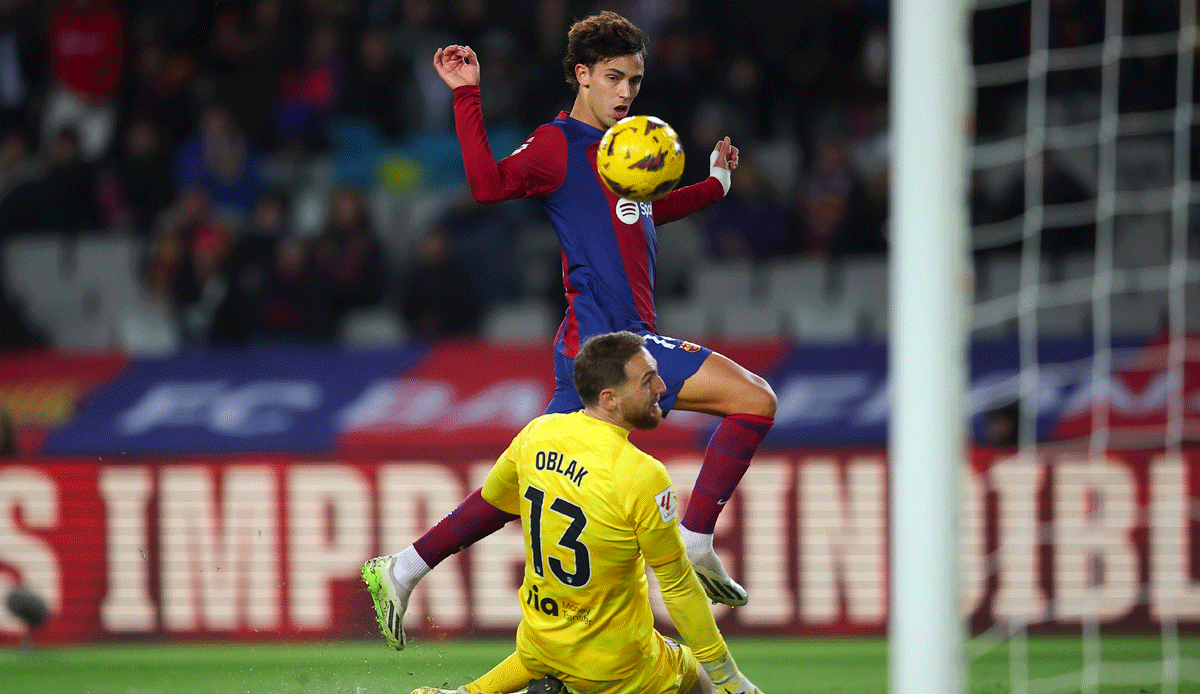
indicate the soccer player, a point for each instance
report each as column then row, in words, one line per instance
column 609, row 254
column 595, row 511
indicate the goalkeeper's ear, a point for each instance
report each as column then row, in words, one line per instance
column 720, row 173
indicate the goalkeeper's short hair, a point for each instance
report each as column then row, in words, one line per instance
column 601, row 363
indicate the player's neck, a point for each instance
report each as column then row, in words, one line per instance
column 605, row 416
column 582, row 113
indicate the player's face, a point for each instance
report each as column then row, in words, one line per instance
column 637, row 397
column 611, row 87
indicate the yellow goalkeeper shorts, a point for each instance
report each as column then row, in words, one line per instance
column 670, row 668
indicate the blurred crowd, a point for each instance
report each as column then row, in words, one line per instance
column 190, row 124
column 185, row 123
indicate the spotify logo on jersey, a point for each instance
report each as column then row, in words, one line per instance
column 629, row 211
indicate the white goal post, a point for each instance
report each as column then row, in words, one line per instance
column 930, row 286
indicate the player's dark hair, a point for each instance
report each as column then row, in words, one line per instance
column 600, row 37
column 601, row 362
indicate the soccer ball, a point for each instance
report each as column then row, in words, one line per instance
column 640, row 158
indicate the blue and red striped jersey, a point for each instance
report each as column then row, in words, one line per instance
column 609, row 245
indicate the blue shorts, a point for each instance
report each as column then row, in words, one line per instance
column 677, row 361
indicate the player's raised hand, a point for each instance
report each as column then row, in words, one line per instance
column 727, row 155
column 722, row 162
column 457, row 65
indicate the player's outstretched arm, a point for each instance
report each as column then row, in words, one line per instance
column 537, row 167
column 681, row 202
column 688, row 607
column 457, row 65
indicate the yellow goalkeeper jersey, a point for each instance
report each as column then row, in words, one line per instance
column 594, row 510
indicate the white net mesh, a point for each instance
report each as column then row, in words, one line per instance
column 1095, row 160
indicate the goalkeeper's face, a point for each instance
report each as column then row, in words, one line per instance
column 637, row 398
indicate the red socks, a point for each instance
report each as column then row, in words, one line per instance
column 473, row 520
column 725, row 461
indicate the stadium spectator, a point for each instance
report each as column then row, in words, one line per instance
column 585, row 607
column 349, row 256
column 21, row 191
column 176, row 227
column 430, row 106
column 255, row 249
column 160, row 90
column 250, row 45
column 202, row 284
column 833, row 217
column 86, row 46
column 608, row 266
column 439, row 299
column 749, row 222
column 295, row 304
column 219, row 159
column 71, row 193
column 253, row 260
column 143, row 172
column 22, row 65
column 19, row 331
column 309, row 92
column 484, row 242
column 375, row 85
column 1060, row 185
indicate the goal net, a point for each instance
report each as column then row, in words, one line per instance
column 1083, row 191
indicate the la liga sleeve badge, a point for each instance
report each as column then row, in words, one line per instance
column 668, row 507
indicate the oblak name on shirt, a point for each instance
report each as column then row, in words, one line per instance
column 557, row 462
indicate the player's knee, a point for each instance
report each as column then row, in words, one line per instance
column 760, row 399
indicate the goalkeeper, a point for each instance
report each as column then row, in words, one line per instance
column 595, row 511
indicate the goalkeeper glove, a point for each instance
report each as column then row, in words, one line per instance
column 727, row 678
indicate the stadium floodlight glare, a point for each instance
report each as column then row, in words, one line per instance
column 929, row 286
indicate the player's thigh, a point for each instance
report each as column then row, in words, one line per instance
column 723, row 387
column 670, row 668
column 678, row 360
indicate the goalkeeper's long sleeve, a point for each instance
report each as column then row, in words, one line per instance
column 688, row 605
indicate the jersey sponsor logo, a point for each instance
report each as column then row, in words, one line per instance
column 629, row 211
column 546, row 605
column 668, row 508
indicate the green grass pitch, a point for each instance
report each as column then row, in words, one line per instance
column 778, row 666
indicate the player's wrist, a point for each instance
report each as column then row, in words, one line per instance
column 723, row 175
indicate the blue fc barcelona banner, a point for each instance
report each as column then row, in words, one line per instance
column 276, row 400
column 474, row 395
